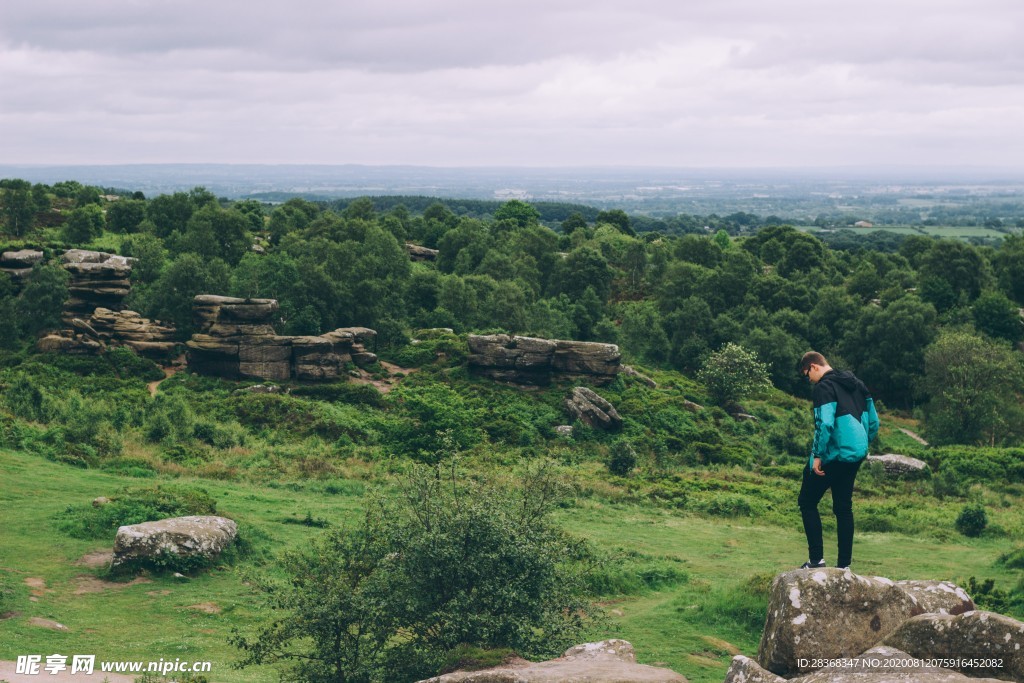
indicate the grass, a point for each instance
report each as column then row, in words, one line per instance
column 692, row 621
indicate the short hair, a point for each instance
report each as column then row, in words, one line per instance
column 808, row 359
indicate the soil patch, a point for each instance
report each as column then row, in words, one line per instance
column 169, row 371
column 47, row 623
column 207, row 607
column 37, row 585
column 96, row 560
column 85, row 583
column 8, row 615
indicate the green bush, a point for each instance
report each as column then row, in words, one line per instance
column 133, row 506
column 342, row 392
column 486, row 561
column 622, row 459
column 972, row 520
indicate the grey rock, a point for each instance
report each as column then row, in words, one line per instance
column 746, row 670
column 975, row 634
column 564, row 430
column 23, row 259
column 418, row 253
column 531, row 360
column 587, row 407
column 630, row 371
column 882, row 664
column 828, row 613
column 197, row 536
column 939, row 597
column 900, row 465
column 608, row 661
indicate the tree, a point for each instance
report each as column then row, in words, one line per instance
column 448, row 562
column 574, row 221
column 519, row 213
column 17, row 206
column 213, row 232
column 733, row 373
column 170, row 296
column 971, row 384
column 617, row 218
column 125, row 215
column 84, row 224
column 40, row 303
column 997, row 316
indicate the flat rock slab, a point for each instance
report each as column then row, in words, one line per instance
column 897, row 465
column 608, row 661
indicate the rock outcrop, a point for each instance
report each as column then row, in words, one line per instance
column 236, row 340
column 900, row 466
column 200, row 538
column 609, row 661
column 830, row 613
column 18, row 264
column 104, row 328
column 418, row 253
column 534, row 361
column 98, row 280
column 586, row 406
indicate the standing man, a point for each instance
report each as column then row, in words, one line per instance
column 845, row 422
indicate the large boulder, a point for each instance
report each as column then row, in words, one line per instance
column 531, row 360
column 586, row 406
column 900, row 466
column 609, row 661
column 882, row 664
column 829, row 613
column 193, row 539
column 973, row 640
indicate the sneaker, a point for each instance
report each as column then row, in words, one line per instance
column 812, row 565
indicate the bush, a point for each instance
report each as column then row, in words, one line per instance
column 134, row 506
column 486, row 561
column 622, row 459
column 733, row 373
column 972, row 520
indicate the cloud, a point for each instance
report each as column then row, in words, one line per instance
column 561, row 82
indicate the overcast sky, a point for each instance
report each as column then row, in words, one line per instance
column 722, row 83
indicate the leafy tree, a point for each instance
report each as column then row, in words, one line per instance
column 170, row 297
column 733, row 373
column 575, row 221
column 518, row 213
column 40, row 303
column 886, row 346
column 17, row 206
column 213, row 232
column 170, row 212
column 449, row 562
column 583, row 268
column 1009, row 265
column 84, row 224
column 126, row 215
column 957, row 264
column 292, row 216
column 972, row 385
column 149, row 254
column 997, row 316
column 617, row 218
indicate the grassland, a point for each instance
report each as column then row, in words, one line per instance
column 692, row 625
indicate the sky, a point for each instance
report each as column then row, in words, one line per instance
column 541, row 83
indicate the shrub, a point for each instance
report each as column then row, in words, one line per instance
column 134, row 506
column 733, row 373
column 972, row 520
column 488, row 562
column 622, row 459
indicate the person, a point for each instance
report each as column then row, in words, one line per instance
column 845, row 422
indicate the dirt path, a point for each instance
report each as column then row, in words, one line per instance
column 169, row 372
column 388, row 383
column 914, row 436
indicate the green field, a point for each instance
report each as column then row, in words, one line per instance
column 693, row 627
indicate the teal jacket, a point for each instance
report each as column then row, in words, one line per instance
column 845, row 421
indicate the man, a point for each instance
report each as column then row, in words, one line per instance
column 845, row 422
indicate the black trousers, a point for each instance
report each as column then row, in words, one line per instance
column 839, row 476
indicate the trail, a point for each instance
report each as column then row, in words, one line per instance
column 388, row 383
column 169, row 372
column 914, row 436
